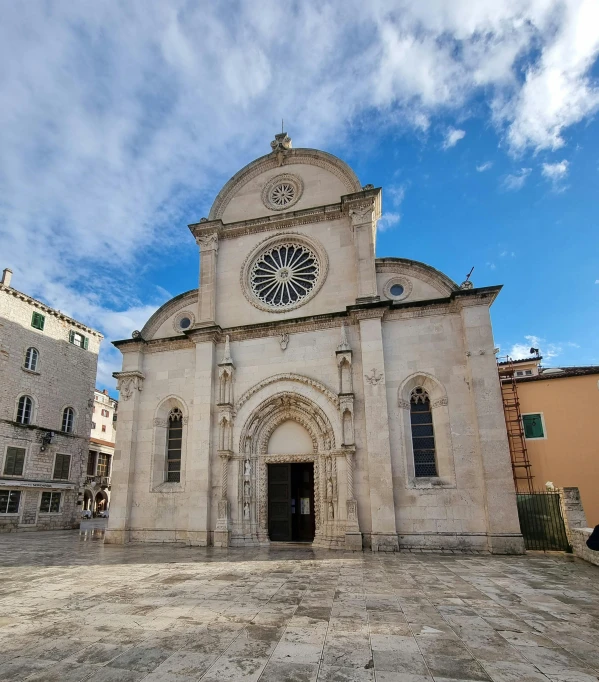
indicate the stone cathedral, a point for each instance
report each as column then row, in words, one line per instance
column 308, row 391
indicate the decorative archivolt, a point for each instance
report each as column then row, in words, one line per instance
column 418, row 270
column 299, row 378
column 279, row 408
column 171, row 406
column 427, row 384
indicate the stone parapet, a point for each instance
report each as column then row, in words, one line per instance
column 579, row 537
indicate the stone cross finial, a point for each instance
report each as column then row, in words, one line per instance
column 227, row 360
column 344, row 345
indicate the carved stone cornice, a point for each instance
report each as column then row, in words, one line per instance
column 369, row 313
column 270, row 223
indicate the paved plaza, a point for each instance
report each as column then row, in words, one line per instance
column 75, row 609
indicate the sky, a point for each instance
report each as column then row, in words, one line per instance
column 121, row 121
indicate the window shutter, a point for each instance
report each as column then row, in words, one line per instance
column 85, row 342
column 15, row 461
column 533, row 426
column 71, row 336
column 9, row 464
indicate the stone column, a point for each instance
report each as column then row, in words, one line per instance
column 382, row 504
column 364, row 227
column 208, row 244
column 503, row 526
column 198, row 469
column 130, row 384
column 353, row 536
column 222, row 532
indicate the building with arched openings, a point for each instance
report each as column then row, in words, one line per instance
column 309, row 391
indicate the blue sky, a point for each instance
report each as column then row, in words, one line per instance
column 121, row 121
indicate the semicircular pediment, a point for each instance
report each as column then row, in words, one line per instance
column 343, row 181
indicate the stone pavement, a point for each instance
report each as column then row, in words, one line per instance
column 74, row 609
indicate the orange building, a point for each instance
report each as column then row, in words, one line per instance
column 559, row 412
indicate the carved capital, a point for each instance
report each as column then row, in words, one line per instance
column 403, row 404
column 128, row 383
column 439, row 402
column 208, row 242
column 362, row 215
column 160, row 422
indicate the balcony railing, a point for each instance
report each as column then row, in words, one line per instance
column 99, row 481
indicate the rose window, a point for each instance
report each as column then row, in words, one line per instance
column 282, row 192
column 282, row 195
column 284, row 275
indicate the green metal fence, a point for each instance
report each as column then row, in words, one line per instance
column 541, row 521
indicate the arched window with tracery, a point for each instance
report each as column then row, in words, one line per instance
column 31, row 357
column 25, row 410
column 173, row 445
column 423, row 435
column 68, row 419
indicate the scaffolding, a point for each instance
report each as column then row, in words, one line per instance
column 521, row 467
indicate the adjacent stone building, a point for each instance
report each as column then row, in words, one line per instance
column 96, row 495
column 309, row 391
column 48, row 367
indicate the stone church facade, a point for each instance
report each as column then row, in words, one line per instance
column 309, row 391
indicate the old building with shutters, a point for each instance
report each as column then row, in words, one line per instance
column 308, row 391
column 48, row 365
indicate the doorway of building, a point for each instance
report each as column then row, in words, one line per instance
column 291, row 502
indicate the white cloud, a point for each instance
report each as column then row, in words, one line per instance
column 388, row 221
column 597, row 281
column 555, row 171
column 549, row 351
column 491, row 266
column 484, row 166
column 119, row 125
column 452, row 137
column 515, row 181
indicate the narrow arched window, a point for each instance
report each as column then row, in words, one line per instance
column 25, row 410
column 68, row 419
column 173, row 446
column 31, row 357
column 423, row 436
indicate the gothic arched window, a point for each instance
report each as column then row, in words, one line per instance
column 173, row 446
column 25, row 410
column 31, row 357
column 423, row 435
column 68, row 419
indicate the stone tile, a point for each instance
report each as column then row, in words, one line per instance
column 21, row 667
column 141, row 658
column 116, row 675
column 393, row 661
column 235, row 669
column 334, row 673
column 448, row 667
column 186, row 663
column 387, row 676
column 278, row 671
column 64, row 672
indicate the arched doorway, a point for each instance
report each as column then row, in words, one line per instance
column 290, row 429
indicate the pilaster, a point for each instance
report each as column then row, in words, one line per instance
column 503, row 526
column 198, row 471
column 363, row 219
column 208, row 244
column 130, row 385
column 382, row 505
